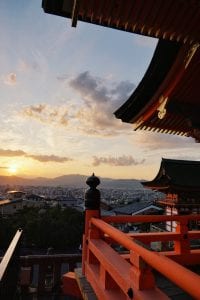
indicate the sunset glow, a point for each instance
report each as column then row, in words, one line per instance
column 58, row 95
column 12, row 169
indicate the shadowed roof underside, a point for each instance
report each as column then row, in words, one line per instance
column 173, row 20
column 168, row 97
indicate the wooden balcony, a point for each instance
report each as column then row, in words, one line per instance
column 136, row 272
column 115, row 265
column 112, row 273
column 33, row 276
column 41, row 274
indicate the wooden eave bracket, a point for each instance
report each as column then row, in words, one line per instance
column 162, row 107
column 190, row 54
column 161, row 112
column 75, row 12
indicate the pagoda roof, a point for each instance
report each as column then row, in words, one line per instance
column 168, row 97
column 176, row 174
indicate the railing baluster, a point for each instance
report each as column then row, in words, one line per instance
column 56, row 273
column 182, row 245
column 43, row 261
column 41, row 278
column 141, row 273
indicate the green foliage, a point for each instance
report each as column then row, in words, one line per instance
column 59, row 228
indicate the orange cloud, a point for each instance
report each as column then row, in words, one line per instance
column 41, row 158
column 47, row 114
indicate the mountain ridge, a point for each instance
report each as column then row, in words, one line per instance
column 71, row 180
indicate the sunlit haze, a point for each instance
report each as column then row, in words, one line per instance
column 59, row 88
column 12, row 169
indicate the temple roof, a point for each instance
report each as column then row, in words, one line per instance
column 168, row 97
column 173, row 20
column 176, row 174
column 137, row 208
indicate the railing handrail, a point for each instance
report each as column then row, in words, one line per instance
column 149, row 218
column 9, row 253
column 61, row 258
column 184, row 278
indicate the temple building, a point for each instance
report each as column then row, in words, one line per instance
column 180, row 181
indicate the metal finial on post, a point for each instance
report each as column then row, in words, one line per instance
column 92, row 195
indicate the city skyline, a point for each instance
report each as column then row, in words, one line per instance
column 59, row 89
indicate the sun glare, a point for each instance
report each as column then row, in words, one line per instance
column 12, row 169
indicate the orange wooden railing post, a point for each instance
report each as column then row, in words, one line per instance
column 182, row 246
column 141, row 273
column 92, row 209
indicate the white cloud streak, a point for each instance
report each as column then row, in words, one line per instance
column 153, row 141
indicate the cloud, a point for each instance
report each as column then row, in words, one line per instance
column 41, row 158
column 54, row 115
column 123, row 90
column 26, row 66
column 145, row 41
column 62, row 77
column 154, row 141
column 90, row 88
column 47, row 158
column 117, row 161
column 10, row 153
column 95, row 116
column 94, row 90
column 10, row 79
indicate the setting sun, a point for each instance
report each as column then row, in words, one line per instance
column 12, row 169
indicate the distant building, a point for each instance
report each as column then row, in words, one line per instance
column 180, row 181
column 34, row 197
column 142, row 208
column 15, row 195
column 15, row 201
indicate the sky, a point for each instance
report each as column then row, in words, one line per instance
column 59, row 88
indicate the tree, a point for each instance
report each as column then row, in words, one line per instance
column 52, row 227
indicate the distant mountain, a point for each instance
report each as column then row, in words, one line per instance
column 73, row 180
column 121, row 183
column 13, row 180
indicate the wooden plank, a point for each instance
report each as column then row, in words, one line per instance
column 9, row 253
column 112, row 262
column 84, row 286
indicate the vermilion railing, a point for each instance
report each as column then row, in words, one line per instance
column 114, row 275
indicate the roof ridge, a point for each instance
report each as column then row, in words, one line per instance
column 181, row 161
